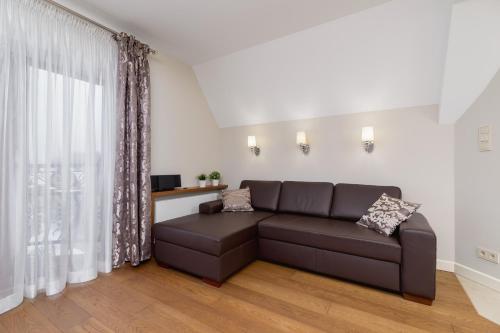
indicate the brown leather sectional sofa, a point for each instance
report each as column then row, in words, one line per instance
column 309, row 225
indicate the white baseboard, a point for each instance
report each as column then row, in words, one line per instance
column 468, row 273
column 445, row 265
column 477, row 276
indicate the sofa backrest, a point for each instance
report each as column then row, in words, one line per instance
column 311, row 198
column 265, row 195
column 351, row 201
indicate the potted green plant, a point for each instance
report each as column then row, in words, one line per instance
column 202, row 180
column 214, row 177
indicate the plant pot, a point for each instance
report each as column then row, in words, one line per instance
column 215, row 182
column 202, row 183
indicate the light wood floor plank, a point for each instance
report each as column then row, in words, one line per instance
column 263, row 318
column 92, row 325
column 61, row 311
column 370, row 301
column 184, row 301
column 26, row 318
column 101, row 307
column 292, row 296
column 451, row 306
column 313, row 298
column 263, row 297
column 284, row 308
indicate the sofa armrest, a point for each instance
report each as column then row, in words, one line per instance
column 211, row 207
column 418, row 263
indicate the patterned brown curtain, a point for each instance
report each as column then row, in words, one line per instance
column 132, row 192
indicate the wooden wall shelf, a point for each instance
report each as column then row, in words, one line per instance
column 181, row 191
column 187, row 190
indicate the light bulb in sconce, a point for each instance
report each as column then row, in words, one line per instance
column 302, row 142
column 252, row 144
column 368, row 138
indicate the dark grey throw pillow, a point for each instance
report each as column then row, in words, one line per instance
column 386, row 214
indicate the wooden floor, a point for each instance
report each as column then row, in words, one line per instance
column 261, row 298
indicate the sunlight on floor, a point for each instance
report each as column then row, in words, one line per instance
column 485, row 300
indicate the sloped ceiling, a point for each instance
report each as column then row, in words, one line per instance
column 473, row 57
column 199, row 30
column 389, row 56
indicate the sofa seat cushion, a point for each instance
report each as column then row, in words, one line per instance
column 333, row 235
column 212, row 234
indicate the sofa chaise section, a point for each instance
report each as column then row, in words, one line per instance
column 213, row 245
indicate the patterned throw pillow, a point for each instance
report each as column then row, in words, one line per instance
column 386, row 214
column 237, row 200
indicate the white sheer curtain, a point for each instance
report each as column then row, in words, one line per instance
column 57, row 142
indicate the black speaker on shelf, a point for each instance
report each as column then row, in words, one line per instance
column 165, row 182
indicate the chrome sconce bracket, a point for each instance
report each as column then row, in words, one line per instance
column 368, row 146
column 305, row 148
column 255, row 150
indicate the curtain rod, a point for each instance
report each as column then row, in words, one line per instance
column 85, row 18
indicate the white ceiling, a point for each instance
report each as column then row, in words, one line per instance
column 196, row 31
column 473, row 57
column 387, row 57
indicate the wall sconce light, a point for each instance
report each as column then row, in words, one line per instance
column 302, row 142
column 368, row 138
column 252, row 144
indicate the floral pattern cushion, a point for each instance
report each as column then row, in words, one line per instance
column 237, row 200
column 386, row 214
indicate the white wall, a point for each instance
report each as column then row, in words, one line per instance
column 185, row 138
column 478, row 182
column 473, row 56
column 176, row 206
column 412, row 151
column 390, row 56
